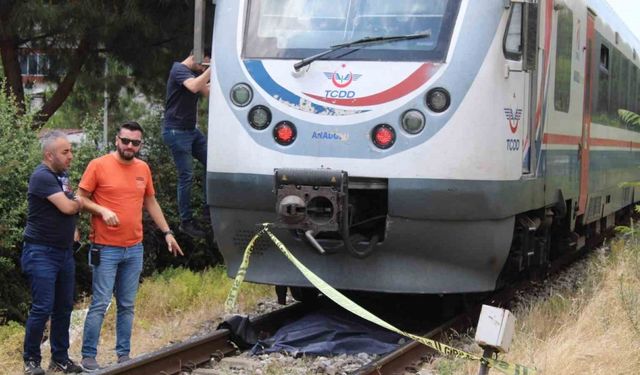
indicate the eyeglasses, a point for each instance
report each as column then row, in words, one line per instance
column 126, row 141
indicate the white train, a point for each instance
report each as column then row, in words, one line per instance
column 418, row 146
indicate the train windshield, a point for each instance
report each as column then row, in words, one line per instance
column 296, row 29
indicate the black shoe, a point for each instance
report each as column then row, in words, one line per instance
column 191, row 228
column 67, row 366
column 32, row 367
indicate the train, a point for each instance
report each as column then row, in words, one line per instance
column 419, row 146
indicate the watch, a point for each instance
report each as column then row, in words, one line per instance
column 168, row 232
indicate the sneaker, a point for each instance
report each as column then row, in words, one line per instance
column 32, row 367
column 123, row 358
column 191, row 228
column 89, row 364
column 67, row 366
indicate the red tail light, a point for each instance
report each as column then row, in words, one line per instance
column 383, row 136
column 284, row 133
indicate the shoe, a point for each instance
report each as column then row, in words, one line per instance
column 191, row 228
column 89, row 364
column 123, row 358
column 32, row 367
column 67, row 366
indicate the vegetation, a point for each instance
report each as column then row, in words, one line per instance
column 592, row 327
column 22, row 153
column 77, row 36
column 629, row 118
column 191, row 302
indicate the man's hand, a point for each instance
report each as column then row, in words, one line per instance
column 79, row 201
column 172, row 245
column 109, row 217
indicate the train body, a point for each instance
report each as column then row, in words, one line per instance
column 423, row 146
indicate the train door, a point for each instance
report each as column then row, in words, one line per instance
column 519, row 83
column 583, row 152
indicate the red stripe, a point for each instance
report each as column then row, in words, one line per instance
column 573, row 140
column 560, row 139
column 414, row 81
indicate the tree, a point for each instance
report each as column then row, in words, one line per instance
column 76, row 35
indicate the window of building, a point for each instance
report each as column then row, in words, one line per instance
column 564, row 41
column 34, row 64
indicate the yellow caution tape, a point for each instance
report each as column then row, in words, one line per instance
column 353, row 307
column 230, row 303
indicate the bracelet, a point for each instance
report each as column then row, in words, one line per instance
column 166, row 232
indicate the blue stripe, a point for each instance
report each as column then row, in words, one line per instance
column 259, row 74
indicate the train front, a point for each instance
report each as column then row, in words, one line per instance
column 370, row 132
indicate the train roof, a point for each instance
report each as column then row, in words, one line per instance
column 604, row 11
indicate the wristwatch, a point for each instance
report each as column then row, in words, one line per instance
column 168, row 232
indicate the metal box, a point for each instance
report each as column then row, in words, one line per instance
column 495, row 328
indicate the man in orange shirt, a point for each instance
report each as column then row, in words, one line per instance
column 116, row 187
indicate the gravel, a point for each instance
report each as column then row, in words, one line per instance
column 283, row 363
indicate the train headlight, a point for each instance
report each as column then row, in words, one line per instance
column 259, row 117
column 383, row 136
column 241, row 94
column 438, row 100
column 413, row 121
column 284, row 133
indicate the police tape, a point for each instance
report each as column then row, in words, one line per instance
column 346, row 303
column 232, row 297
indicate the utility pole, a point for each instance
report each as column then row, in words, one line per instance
column 105, row 111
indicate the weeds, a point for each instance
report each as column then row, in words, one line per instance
column 11, row 338
column 630, row 299
column 170, row 306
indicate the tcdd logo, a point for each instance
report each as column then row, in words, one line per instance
column 342, row 77
column 513, row 118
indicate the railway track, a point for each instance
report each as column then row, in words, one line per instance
column 197, row 352
column 413, row 352
column 193, row 353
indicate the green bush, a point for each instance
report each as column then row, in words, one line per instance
column 20, row 155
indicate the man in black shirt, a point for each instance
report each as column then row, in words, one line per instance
column 187, row 81
column 47, row 255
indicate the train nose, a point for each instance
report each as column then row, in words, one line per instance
column 292, row 209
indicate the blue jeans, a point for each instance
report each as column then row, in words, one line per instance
column 51, row 273
column 186, row 145
column 118, row 273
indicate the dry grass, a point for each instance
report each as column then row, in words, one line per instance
column 590, row 329
column 170, row 307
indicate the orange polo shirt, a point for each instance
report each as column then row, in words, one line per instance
column 121, row 188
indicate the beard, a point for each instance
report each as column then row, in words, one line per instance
column 126, row 154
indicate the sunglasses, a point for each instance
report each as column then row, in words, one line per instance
column 126, row 141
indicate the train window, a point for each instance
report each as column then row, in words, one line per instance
column 604, row 58
column 637, row 92
column 618, row 78
column 601, row 100
column 512, row 44
column 631, row 97
column 295, row 29
column 564, row 40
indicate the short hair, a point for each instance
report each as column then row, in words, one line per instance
column 47, row 140
column 131, row 125
column 206, row 52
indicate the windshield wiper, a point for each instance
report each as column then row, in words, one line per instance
column 364, row 41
